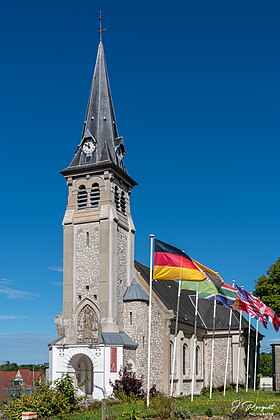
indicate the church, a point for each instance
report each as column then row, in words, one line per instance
column 104, row 321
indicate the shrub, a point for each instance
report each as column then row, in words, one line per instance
column 127, row 387
column 209, row 412
column 162, row 405
column 45, row 399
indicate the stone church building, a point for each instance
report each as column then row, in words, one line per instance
column 104, row 322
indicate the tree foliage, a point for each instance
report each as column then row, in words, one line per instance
column 9, row 366
column 266, row 364
column 46, row 399
column 13, row 366
column 267, row 287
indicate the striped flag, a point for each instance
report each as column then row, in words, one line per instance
column 245, row 303
column 211, row 275
column 206, row 289
column 209, row 288
column 171, row 263
column 226, row 295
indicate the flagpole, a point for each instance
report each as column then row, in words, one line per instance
column 194, row 345
column 228, row 345
column 239, row 351
column 175, row 337
column 213, row 346
column 248, row 353
column 256, row 356
column 150, row 317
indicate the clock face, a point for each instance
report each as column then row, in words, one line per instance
column 88, row 147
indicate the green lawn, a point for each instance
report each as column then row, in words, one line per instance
column 262, row 402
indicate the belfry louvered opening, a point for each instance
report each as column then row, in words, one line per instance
column 123, row 203
column 82, row 197
column 117, row 199
column 94, row 195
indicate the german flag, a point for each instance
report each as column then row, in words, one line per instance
column 172, row 264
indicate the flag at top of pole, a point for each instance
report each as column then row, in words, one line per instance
column 171, row 263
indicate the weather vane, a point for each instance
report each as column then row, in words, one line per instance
column 100, row 25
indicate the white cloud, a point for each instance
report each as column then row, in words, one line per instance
column 3, row 280
column 11, row 293
column 59, row 269
column 56, row 283
column 4, row 317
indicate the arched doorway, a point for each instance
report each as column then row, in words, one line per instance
column 82, row 367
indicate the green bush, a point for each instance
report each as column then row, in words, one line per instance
column 162, row 405
column 127, row 387
column 46, row 399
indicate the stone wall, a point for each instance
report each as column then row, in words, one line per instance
column 136, row 326
column 220, row 352
column 122, row 281
column 86, row 262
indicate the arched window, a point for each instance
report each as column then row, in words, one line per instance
column 82, row 197
column 117, row 198
column 185, row 359
column 123, row 203
column 130, row 365
column 94, row 195
column 197, row 361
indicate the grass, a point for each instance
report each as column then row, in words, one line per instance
column 258, row 402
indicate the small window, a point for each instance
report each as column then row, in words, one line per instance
column 95, row 297
column 197, row 361
column 82, row 197
column 117, row 199
column 87, row 287
column 87, row 238
column 79, row 297
column 123, row 203
column 130, row 317
column 185, row 359
column 94, row 195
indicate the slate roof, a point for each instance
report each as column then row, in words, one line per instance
column 118, row 339
column 167, row 292
column 135, row 292
column 100, row 126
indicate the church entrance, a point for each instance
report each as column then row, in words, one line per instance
column 82, row 367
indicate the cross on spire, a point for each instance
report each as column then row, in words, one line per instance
column 100, row 25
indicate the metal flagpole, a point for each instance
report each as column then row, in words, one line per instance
column 150, row 317
column 239, row 351
column 256, row 356
column 194, row 345
column 248, row 353
column 175, row 338
column 228, row 345
column 213, row 346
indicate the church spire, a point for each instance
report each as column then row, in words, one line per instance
column 100, row 140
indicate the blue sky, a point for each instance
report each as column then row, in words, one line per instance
column 196, row 91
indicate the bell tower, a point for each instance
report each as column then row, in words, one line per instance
column 98, row 258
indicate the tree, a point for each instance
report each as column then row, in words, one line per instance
column 47, row 399
column 267, row 287
column 266, row 364
column 11, row 366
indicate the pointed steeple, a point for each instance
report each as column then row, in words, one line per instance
column 100, row 140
